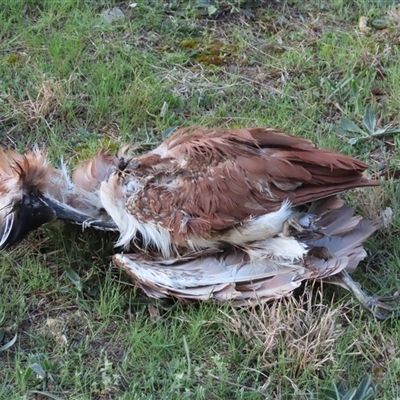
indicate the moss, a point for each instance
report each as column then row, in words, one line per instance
column 14, row 60
column 210, row 52
column 210, row 59
column 88, row 148
column 190, row 44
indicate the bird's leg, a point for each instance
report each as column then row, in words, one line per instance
column 376, row 305
column 292, row 222
column 299, row 222
column 98, row 224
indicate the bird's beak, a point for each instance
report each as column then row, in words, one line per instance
column 67, row 213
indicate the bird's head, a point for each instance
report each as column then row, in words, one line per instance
column 33, row 193
column 23, row 179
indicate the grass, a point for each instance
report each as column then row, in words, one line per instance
column 71, row 82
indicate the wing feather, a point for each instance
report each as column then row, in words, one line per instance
column 258, row 272
column 208, row 180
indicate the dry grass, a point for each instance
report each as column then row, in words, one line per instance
column 45, row 106
column 306, row 337
column 306, row 327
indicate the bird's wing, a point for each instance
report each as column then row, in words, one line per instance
column 227, row 276
column 258, row 272
column 199, row 181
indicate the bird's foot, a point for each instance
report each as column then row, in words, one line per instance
column 376, row 305
column 379, row 307
column 299, row 223
column 292, row 223
column 86, row 224
column 99, row 224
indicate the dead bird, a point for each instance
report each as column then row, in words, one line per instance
column 241, row 215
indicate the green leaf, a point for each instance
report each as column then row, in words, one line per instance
column 392, row 131
column 369, row 119
column 169, row 132
column 28, row 373
column 331, row 394
column 339, row 86
column 212, row 10
column 47, row 394
column 83, row 131
column 356, row 140
column 350, row 126
column 386, row 133
column 335, row 393
column 247, row 12
column 380, row 131
column 8, row 344
column 206, row 3
column 365, row 389
column 353, row 85
column 330, row 83
column 74, row 278
column 353, row 140
column 38, row 370
column 380, row 23
column 341, row 132
column 349, row 395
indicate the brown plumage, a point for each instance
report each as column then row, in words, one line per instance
column 243, row 215
column 199, row 184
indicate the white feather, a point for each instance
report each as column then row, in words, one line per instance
column 203, row 271
column 8, row 224
column 129, row 225
column 282, row 249
column 261, row 227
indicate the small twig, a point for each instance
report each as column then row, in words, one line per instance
column 50, row 310
column 337, row 105
column 121, row 282
column 268, row 87
column 239, row 386
column 185, row 345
